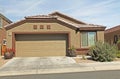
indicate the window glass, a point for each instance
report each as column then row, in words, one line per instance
column 115, row 39
column 91, row 38
column 88, row 39
column 84, row 39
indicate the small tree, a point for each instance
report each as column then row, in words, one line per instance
column 103, row 52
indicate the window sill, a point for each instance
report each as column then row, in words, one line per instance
column 85, row 47
column 82, row 48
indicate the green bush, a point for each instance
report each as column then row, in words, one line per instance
column 118, row 54
column 103, row 52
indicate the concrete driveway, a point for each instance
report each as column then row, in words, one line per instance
column 46, row 65
column 37, row 63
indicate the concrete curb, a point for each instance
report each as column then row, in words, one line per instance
column 62, row 70
column 46, row 71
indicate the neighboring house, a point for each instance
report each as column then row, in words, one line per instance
column 112, row 35
column 3, row 21
column 51, row 35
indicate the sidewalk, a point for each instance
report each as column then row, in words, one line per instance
column 66, row 68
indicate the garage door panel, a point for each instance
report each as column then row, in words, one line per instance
column 53, row 47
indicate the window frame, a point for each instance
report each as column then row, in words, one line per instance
column 82, row 40
column 95, row 38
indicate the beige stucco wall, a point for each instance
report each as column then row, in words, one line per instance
column 2, row 30
column 100, row 36
column 55, row 27
column 5, row 22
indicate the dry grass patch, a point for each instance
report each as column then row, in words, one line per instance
column 83, row 60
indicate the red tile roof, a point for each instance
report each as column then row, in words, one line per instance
column 113, row 29
column 77, row 24
column 61, row 14
column 39, row 16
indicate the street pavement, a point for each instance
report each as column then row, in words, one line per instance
column 48, row 65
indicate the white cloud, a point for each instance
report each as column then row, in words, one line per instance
column 93, row 9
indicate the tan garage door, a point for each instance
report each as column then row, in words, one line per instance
column 35, row 45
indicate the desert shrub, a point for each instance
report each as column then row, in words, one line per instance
column 103, row 52
column 118, row 54
column 72, row 51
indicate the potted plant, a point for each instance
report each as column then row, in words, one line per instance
column 9, row 53
column 72, row 52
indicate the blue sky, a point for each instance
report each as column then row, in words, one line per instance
column 101, row 12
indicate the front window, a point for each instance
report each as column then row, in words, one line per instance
column 88, row 39
column 115, row 39
column 0, row 23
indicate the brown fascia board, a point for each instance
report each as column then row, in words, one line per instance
column 5, row 18
column 51, row 20
column 66, row 24
column 12, row 25
column 92, row 28
column 67, row 17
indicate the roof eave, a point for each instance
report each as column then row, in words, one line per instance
column 12, row 25
column 9, row 21
column 92, row 28
column 67, row 17
column 113, row 29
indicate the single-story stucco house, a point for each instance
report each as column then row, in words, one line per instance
column 51, row 35
column 112, row 35
column 3, row 21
